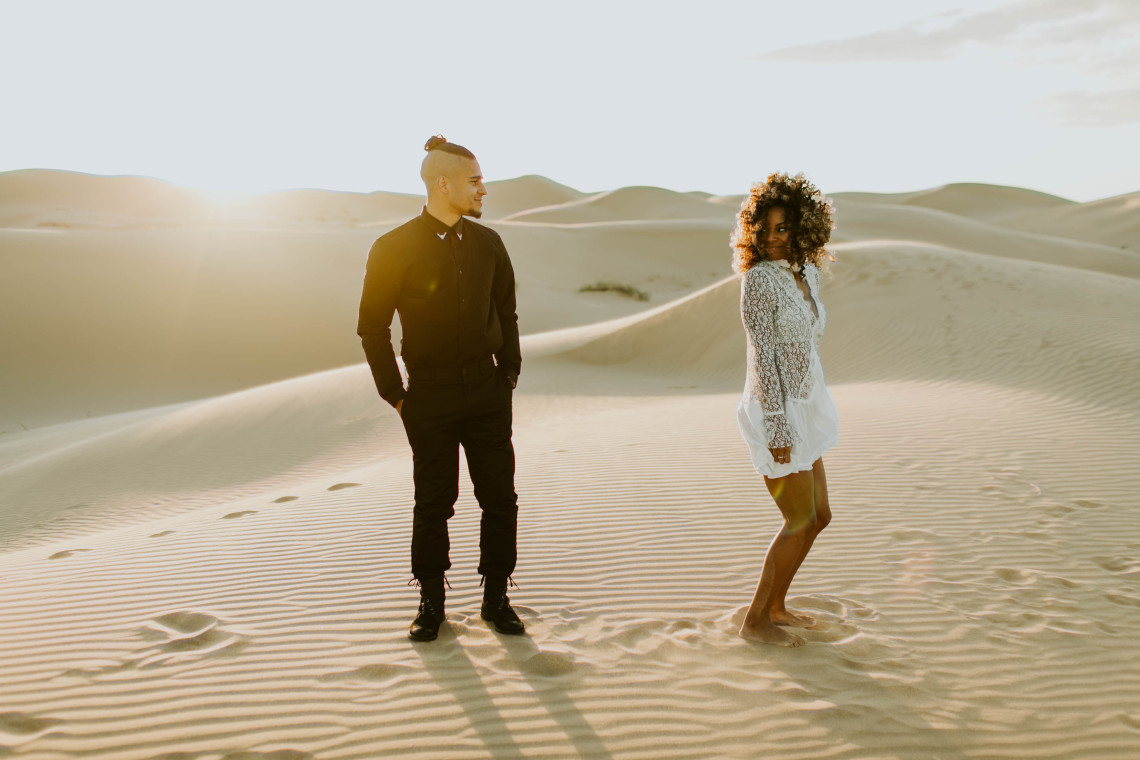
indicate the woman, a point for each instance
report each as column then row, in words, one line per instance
column 786, row 413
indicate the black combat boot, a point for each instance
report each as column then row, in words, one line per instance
column 426, row 625
column 497, row 607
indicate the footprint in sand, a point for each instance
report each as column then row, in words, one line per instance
column 90, row 674
column 684, row 630
column 161, row 534
column 341, row 486
column 377, row 673
column 67, row 553
column 1123, row 599
column 860, row 647
column 19, row 728
column 1057, row 581
column 236, row 515
column 1011, row 575
column 1118, row 565
column 1106, row 628
column 640, row 637
column 1088, row 503
column 549, row 664
column 832, row 632
column 178, row 636
column 284, row 499
column 185, row 622
column 206, row 642
column 912, row 534
column 840, row 609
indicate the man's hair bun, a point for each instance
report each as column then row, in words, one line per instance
column 439, row 142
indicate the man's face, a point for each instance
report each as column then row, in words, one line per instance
column 465, row 188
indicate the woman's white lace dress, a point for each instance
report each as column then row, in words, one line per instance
column 786, row 401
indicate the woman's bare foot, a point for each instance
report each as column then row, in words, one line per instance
column 770, row 634
column 794, row 619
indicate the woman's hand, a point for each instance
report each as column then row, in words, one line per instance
column 782, row 456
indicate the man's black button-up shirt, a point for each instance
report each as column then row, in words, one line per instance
column 454, row 288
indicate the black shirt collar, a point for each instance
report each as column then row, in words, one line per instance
column 438, row 227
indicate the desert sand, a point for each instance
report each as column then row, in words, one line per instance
column 205, row 507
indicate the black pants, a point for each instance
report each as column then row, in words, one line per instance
column 441, row 412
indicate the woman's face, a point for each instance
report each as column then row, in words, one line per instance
column 775, row 234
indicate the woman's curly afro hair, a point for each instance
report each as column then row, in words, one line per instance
column 810, row 216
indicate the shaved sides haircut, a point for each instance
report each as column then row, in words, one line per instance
column 443, row 158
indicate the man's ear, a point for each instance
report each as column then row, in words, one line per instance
column 442, row 184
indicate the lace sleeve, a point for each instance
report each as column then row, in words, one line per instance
column 821, row 312
column 758, row 311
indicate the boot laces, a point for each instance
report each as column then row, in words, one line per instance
column 510, row 582
column 425, row 602
column 426, row 605
column 415, row 582
column 503, row 600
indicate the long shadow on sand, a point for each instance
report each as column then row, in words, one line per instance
column 535, row 666
column 453, row 670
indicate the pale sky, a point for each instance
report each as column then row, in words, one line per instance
column 876, row 95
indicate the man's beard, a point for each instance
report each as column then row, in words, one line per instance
column 474, row 213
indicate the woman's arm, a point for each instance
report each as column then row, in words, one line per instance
column 758, row 310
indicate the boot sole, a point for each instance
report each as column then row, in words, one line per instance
column 500, row 630
column 510, row 633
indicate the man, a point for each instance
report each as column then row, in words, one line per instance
column 452, row 283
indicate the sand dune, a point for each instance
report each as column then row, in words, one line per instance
column 511, row 196
column 321, row 207
column 975, row 318
column 1112, row 221
column 862, row 221
column 224, row 578
column 40, row 198
column 225, row 309
column 44, row 198
column 146, row 315
column 978, row 320
column 628, row 203
column 98, row 321
column 976, row 201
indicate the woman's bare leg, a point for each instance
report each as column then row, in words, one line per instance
column 780, row 614
column 794, row 494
